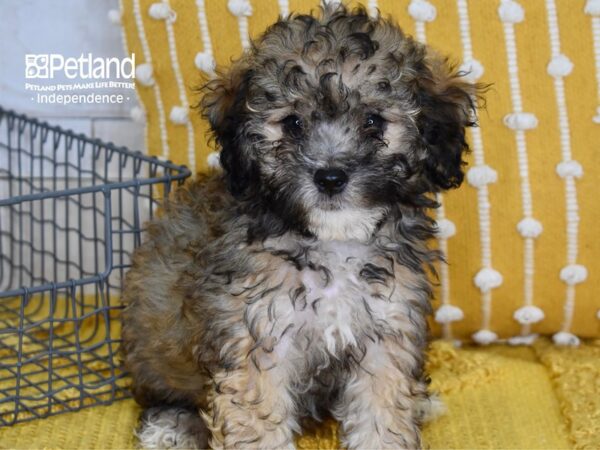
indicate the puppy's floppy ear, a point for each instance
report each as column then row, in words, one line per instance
column 224, row 106
column 447, row 106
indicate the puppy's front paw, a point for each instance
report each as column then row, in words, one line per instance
column 165, row 428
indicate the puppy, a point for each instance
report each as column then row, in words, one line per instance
column 294, row 284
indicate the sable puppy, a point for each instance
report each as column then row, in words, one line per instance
column 294, row 283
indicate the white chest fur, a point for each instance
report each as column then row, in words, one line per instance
column 329, row 305
column 337, row 296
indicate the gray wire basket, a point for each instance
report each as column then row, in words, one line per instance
column 71, row 213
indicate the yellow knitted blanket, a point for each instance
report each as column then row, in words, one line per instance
column 539, row 397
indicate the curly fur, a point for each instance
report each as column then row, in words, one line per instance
column 257, row 299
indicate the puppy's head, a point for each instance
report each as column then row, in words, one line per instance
column 328, row 123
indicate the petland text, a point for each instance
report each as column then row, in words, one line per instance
column 47, row 66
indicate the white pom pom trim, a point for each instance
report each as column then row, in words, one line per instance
column 592, row 7
column 521, row 121
column 522, row 340
column 528, row 314
column 137, row 114
column 574, row 274
column 205, row 62
column 214, row 160
column 445, row 229
column 449, row 313
column 566, row 339
column 240, row 8
column 144, row 74
column 596, row 118
column 569, row 169
column 161, row 11
column 485, row 337
column 114, row 16
column 179, row 115
column 530, row 228
column 481, row 175
column 511, row 12
column 560, row 66
column 472, row 69
column 422, row 10
column 488, row 279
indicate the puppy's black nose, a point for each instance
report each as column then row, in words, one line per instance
column 331, row 181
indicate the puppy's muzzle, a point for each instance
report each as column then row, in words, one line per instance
column 331, row 181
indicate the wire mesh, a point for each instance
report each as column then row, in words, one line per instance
column 72, row 211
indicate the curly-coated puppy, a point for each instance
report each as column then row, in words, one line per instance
column 295, row 283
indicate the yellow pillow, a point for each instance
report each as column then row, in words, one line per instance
column 521, row 235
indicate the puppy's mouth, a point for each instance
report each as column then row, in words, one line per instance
column 330, row 203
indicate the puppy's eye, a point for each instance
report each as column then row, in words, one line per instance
column 374, row 122
column 293, row 125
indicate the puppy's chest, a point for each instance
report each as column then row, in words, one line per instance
column 333, row 295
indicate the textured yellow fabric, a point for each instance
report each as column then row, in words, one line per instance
column 576, row 378
column 497, row 398
column 148, row 39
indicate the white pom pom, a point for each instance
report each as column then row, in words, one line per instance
column 161, row 11
column 137, row 114
column 511, row 12
column 481, row 175
column 422, row 10
column 114, row 16
column 596, row 118
column 472, row 69
column 240, row 8
column 214, row 160
column 566, row 339
column 488, row 279
column 205, row 62
column 560, row 66
column 522, row 340
column 179, row 115
column 530, row 228
column 521, row 121
column 569, row 169
column 592, row 7
column 144, row 74
column 528, row 314
column 445, row 229
column 448, row 313
column 485, row 337
column 574, row 274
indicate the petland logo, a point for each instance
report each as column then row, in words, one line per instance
column 102, row 79
column 47, row 66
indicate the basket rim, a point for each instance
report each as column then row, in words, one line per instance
column 181, row 172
